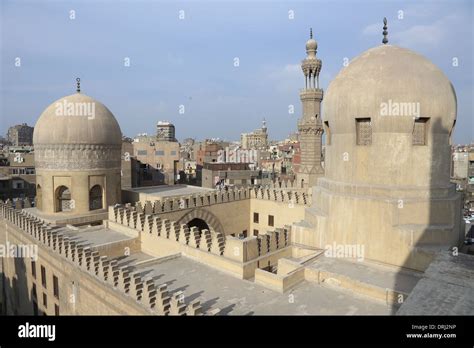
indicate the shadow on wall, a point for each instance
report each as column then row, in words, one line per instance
column 17, row 299
column 440, row 219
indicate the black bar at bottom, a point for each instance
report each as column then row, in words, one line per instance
column 237, row 330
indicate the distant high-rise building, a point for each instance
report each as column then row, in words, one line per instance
column 165, row 131
column 20, row 135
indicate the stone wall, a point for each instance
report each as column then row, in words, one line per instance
column 102, row 287
column 239, row 257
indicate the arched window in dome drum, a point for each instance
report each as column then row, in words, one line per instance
column 63, row 199
column 39, row 197
column 95, row 198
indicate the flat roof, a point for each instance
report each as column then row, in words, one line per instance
column 236, row 296
column 169, row 190
column 447, row 287
column 93, row 235
column 383, row 276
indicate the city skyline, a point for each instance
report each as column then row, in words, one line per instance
column 220, row 100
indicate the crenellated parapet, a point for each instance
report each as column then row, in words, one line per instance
column 140, row 288
column 281, row 195
column 210, row 241
column 171, row 204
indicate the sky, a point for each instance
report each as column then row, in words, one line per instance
column 226, row 64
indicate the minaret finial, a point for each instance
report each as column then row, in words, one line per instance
column 78, row 82
column 385, row 32
column 310, row 33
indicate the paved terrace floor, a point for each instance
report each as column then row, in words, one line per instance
column 231, row 295
column 169, row 191
column 243, row 297
column 369, row 273
column 93, row 235
column 447, row 288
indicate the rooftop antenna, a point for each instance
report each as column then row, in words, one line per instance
column 78, row 83
column 385, row 32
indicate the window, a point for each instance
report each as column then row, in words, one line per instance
column 56, row 309
column 419, row 131
column 255, row 218
column 141, row 153
column 328, row 133
column 39, row 199
column 244, row 233
column 33, row 269
column 160, row 153
column 173, row 153
column 63, row 199
column 364, row 131
column 95, row 198
column 270, row 220
column 45, row 301
column 55, row 286
column 43, row 276
column 18, row 184
column 34, row 293
column 35, row 308
column 255, row 232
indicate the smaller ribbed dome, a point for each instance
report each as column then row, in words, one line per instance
column 77, row 119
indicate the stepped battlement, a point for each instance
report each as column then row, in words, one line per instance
column 153, row 297
column 281, row 195
column 208, row 241
column 279, row 192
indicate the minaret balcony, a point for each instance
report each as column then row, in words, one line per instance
column 312, row 93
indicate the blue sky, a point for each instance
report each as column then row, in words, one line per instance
column 190, row 61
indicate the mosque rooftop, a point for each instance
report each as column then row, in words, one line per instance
column 218, row 289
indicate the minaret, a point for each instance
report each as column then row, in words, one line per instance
column 310, row 126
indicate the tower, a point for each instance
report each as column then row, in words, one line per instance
column 310, row 126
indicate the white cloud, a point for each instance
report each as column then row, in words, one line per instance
column 372, row 29
column 427, row 35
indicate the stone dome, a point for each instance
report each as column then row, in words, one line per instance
column 385, row 76
column 77, row 119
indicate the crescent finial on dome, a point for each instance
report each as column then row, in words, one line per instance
column 78, row 85
column 385, row 32
column 310, row 33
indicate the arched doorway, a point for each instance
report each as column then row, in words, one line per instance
column 202, row 218
column 95, row 198
column 199, row 223
column 63, row 199
column 39, row 197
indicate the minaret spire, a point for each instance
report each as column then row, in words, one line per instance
column 310, row 127
column 78, row 85
column 385, row 32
